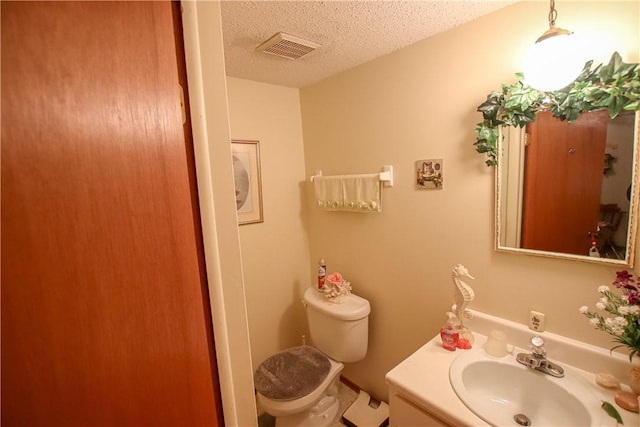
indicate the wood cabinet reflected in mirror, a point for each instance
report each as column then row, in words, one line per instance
column 565, row 190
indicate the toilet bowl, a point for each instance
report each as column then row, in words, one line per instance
column 313, row 409
column 299, row 386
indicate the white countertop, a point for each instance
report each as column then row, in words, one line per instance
column 423, row 378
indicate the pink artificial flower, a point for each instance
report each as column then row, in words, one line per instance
column 335, row 278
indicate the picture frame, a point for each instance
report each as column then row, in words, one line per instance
column 247, row 180
column 429, row 174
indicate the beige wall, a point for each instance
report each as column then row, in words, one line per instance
column 210, row 125
column 275, row 253
column 420, row 102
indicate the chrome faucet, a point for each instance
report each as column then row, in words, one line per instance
column 538, row 359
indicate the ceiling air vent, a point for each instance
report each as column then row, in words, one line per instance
column 287, row 46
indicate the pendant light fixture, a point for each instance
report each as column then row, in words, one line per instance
column 556, row 58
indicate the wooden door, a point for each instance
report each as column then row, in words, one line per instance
column 105, row 315
column 563, row 182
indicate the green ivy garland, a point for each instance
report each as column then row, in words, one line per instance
column 614, row 87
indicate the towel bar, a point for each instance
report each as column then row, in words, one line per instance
column 386, row 176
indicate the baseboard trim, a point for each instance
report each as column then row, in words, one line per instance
column 350, row 384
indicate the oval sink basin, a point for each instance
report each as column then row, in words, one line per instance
column 504, row 393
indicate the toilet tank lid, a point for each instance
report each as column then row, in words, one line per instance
column 352, row 307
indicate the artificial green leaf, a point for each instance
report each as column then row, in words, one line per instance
column 612, row 411
column 613, row 87
column 615, row 107
column 521, row 120
column 491, row 106
column 625, row 70
column 588, row 89
column 530, row 115
column 607, row 71
column 586, row 71
column 635, row 105
column 522, row 98
column 485, row 132
column 489, row 112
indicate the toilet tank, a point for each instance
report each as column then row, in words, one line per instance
column 339, row 330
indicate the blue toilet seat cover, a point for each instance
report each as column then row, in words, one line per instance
column 292, row 374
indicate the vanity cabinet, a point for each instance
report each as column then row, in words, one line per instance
column 403, row 413
column 421, row 391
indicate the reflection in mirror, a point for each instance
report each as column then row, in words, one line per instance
column 565, row 190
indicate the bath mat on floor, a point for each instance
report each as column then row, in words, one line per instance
column 292, row 374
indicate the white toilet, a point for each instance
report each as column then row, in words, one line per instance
column 299, row 386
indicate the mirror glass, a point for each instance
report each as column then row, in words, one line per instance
column 569, row 190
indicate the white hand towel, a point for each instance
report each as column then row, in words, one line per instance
column 354, row 193
column 362, row 193
column 328, row 191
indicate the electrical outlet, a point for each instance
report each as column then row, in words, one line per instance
column 536, row 321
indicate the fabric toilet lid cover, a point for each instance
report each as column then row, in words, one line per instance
column 292, row 374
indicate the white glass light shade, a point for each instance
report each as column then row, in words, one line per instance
column 554, row 62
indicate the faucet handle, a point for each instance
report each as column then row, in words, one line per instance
column 537, row 346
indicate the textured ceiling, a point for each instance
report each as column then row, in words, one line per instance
column 349, row 32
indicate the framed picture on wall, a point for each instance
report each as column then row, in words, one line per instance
column 248, row 186
column 429, row 174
